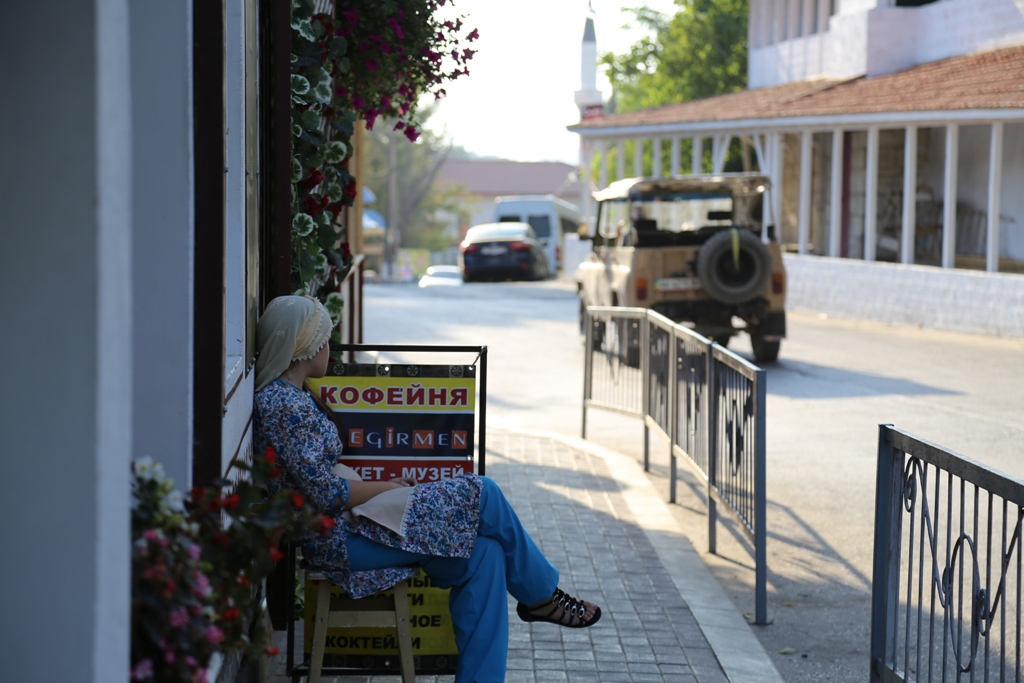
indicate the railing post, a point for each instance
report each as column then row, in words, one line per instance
column 712, row 446
column 588, row 362
column 885, row 581
column 645, row 385
column 673, row 426
column 760, row 500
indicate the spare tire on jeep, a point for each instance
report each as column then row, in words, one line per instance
column 734, row 265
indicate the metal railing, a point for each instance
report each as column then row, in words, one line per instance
column 946, row 593
column 705, row 401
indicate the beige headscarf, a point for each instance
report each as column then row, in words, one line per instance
column 292, row 328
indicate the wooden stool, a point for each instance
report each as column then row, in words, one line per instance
column 376, row 611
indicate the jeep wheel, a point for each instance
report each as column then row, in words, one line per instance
column 734, row 265
column 764, row 351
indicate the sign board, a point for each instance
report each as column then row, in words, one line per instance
column 401, row 421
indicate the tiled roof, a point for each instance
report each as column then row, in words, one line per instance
column 496, row 178
column 988, row 80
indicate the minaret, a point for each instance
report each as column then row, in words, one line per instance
column 588, row 97
column 590, row 103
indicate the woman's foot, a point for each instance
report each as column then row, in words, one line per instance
column 562, row 609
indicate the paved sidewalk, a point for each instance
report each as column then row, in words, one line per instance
column 598, row 518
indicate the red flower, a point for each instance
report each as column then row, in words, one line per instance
column 232, row 501
column 272, row 652
column 275, row 473
column 323, row 524
column 275, row 555
column 311, row 205
column 350, row 189
column 297, row 500
column 270, row 455
column 219, row 538
column 314, row 178
column 231, row 613
column 243, row 580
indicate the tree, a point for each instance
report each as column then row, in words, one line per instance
column 403, row 175
column 699, row 52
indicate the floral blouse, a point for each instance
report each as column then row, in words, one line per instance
column 442, row 516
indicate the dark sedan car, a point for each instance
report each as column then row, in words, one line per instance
column 502, row 251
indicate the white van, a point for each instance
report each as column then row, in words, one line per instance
column 550, row 217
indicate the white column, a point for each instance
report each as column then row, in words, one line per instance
column 754, row 24
column 697, row 156
column 776, row 155
column 638, row 158
column 871, row 196
column 995, row 182
column 793, row 20
column 620, row 159
column 585, row 152
column 656, row 158
column 809, row 26
column 907, row 233
column 605, row 148
column 675, row 156
column 804, row 213
column 719, row 150
column 835, row 208
column 762, row 156
column 824, row 6
column 949, row 196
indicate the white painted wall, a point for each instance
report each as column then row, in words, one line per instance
column 918, row 296
column 65, row 270
column 870, row 37
column 162, row 216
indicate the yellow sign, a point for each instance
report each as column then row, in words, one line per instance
column 432, row 632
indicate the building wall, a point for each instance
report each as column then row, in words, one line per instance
column 65, row 270
column 917, row 296
column 870, row 37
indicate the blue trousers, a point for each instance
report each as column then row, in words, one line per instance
column 504, row 560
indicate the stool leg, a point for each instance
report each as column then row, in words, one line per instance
column 323, row 608
column 403, row 626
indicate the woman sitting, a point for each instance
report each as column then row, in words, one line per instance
column 462, row 531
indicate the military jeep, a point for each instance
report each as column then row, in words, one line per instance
column 694, row 249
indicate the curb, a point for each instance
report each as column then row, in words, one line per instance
column 739, row 652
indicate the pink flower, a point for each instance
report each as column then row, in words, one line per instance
column 169, row 657
column 411, row 133
column 151, row 535
column 371, row 65
column 179, row 617
column 190, row 660
column 143, row 670
column 214, row 635
column 201, row 676
column 195, row 552
column 202, row 588
column 473, row 35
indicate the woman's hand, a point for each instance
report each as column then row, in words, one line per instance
column 405, row 481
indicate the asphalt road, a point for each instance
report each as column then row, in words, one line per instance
column 836, row 380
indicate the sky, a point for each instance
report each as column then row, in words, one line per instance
column 518, row 97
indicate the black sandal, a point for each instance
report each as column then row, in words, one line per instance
column 564, row 610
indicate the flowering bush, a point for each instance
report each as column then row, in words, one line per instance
column 398, row 51
column 196, row 561
column 371, row 58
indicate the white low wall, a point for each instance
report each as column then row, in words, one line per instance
column 919, row 296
